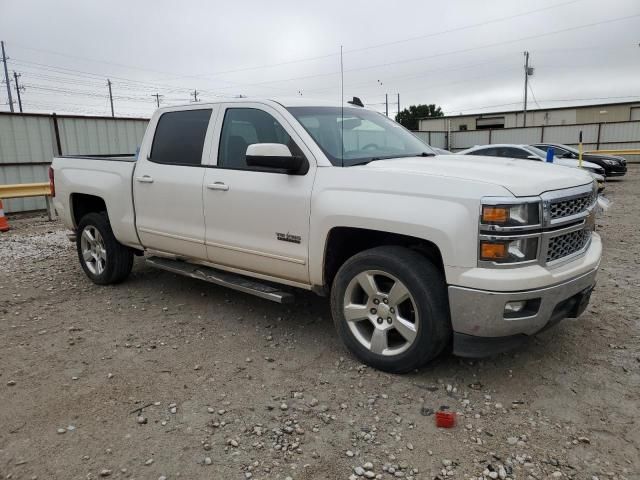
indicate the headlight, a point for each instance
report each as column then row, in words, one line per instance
column 610, row 162
column 509, row 250
column 509, row 231
column 515, row 215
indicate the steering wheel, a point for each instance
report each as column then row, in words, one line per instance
column 371, row 146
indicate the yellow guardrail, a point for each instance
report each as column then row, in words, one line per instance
column 23, row 190
column 615, row 152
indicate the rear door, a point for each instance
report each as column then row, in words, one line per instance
column 257, row 220
column 167, row 184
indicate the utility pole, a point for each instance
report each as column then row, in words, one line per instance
column 527, row 71
column 398, row 103
column 195, row 95
column 386, row 104
column 18, row 88
column 110, row 97
column 157, row 95
column 6, row 77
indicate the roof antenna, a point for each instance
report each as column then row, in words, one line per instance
column 342, row 106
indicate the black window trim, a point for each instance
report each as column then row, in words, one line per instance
column 177, row 164
column 303, row 172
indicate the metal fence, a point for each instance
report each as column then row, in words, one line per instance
column 595, row 136
column 28, row 142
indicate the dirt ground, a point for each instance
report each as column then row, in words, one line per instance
column 164, row 377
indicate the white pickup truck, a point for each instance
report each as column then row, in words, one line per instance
column 419, row 252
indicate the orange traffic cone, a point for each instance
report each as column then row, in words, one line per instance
column 4, row 224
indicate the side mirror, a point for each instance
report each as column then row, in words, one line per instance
column 275, row 156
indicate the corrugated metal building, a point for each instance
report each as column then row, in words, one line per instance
column 28, row 142
column 603, row 113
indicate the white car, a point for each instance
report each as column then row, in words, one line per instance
column 417, row 251
column 527, row 152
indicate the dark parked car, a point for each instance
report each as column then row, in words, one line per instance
column 613, row 166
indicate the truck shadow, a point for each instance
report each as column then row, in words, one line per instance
column 306, row 330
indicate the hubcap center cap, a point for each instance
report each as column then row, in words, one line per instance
column 383, row 310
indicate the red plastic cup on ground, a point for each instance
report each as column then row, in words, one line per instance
column 445, row 419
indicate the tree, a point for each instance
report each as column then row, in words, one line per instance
column 409, row 116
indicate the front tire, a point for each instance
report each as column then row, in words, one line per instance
column 390, row 308
column 102, row 257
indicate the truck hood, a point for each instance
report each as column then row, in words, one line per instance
column 521, row 178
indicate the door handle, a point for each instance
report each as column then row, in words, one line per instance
column 144, row 179
column 218, row 186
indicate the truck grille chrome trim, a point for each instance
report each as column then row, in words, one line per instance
column 573, row 206
column 567, row 220
column 561, row 207
column 567, row 244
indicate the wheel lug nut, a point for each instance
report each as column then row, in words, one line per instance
column 376, row 301
column 380, row 320
column 392, row 310
column 373, row 311
column 385, row 300
column 389, row 320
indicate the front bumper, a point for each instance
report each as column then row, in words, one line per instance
column 481, row 326
column 618, row 172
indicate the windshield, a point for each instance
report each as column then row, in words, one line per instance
column 536, row 151
column 570, row 149
column 360, row 137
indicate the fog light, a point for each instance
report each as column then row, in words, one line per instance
column 514, row 307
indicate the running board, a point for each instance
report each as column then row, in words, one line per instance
column 225, row 279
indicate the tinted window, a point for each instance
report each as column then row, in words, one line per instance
column 486, row 152
column 542, row 147
column 179, row 137
column 245, row 126
column 513, row 153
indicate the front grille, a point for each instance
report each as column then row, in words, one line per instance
column 564, row 245
column 573, row 206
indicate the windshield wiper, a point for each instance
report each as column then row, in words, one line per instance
column 389, row 157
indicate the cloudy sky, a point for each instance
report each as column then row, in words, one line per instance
column 465, row 55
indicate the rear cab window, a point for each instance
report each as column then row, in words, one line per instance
column 179, row 137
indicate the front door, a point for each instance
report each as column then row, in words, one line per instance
column 257, row 221
column 167, row 185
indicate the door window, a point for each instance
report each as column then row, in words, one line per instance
column 486, row 152
column 512, row 152
column 245, row 126
column 179, row 137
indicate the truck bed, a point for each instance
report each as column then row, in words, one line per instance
column 108, row 177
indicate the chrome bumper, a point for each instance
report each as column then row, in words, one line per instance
column 481, row 313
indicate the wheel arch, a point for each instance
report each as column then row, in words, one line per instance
column 344, row 242
column 83, row 203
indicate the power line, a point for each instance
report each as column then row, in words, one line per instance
column 317, row 57
column 443, row 54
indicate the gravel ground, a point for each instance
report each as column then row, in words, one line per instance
column 169, row 377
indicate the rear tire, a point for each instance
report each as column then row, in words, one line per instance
column 390, row 308
column 104, row 259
